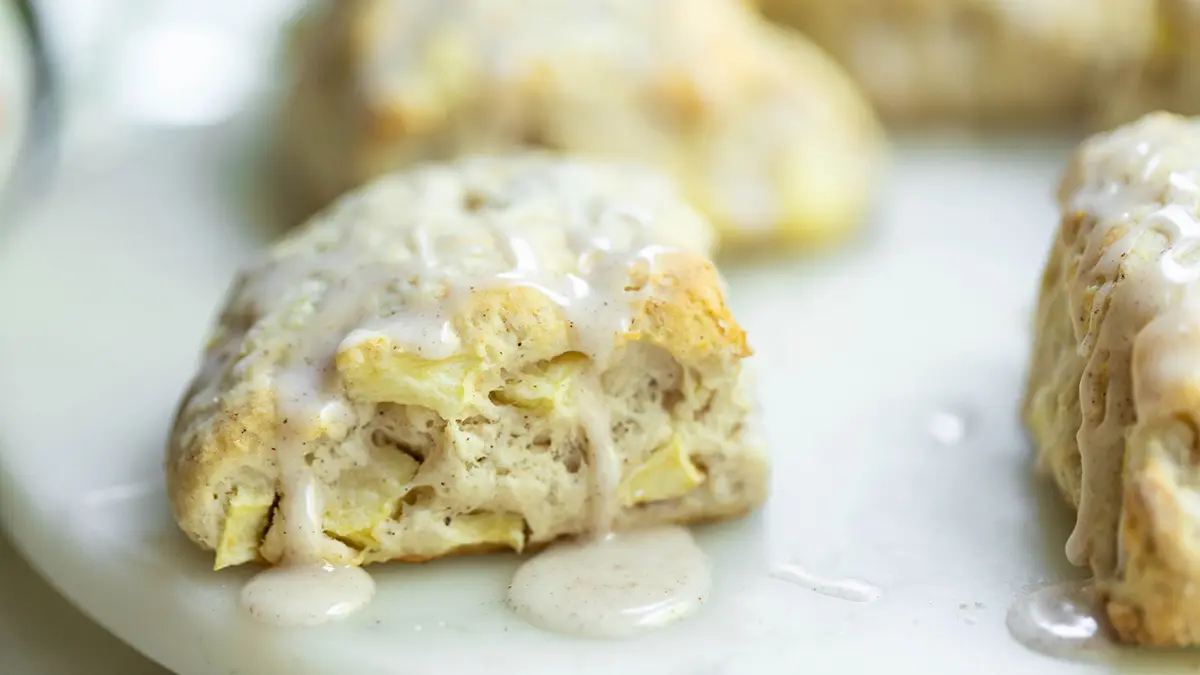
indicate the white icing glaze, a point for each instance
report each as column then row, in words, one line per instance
column 610, row 584
column 307, row 595
column 1138, row 337
column 843, row 589
column 442, row 272
column 614, row 586
column 1061, row 620
column 604, row 464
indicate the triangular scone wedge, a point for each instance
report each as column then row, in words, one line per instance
column 1113, row 397
column 764, row 132
column 424, row 368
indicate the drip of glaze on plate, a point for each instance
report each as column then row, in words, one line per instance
column 304, row 589
column 610, row 584
column 307, row 595
column 613, row 586
column 1138, row 337
column 618, row 583
column 843, row 589
column 948, row 426
column 1061, row 620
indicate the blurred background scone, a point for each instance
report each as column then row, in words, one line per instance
column 1169, row 78
column 997, row 62
column 416, row 372
column 765, row 133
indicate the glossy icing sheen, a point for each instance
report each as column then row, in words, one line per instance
column 590, row 288
column 1136, row 194
column 1060, row 620
column 307, row 595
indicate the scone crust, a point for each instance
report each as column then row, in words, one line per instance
column 1150, row 587
column 228, row 420
column 1157, row 599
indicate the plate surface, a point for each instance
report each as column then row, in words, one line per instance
column 889, row 372
column 43, row 634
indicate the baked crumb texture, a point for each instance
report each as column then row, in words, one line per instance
column 764, row 132
column 1010, row 62
column 481, row 447
column 1113, row 395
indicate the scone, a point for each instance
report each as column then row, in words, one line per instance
column 1113, row 397
column 994, row 62
column 1169, row 79
column 764, row 132
column 488, row 354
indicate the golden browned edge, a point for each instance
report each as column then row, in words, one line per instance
column 688, row 318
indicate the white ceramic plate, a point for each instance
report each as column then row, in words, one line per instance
column 43, row 634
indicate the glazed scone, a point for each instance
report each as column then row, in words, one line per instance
column 1113, row 396
column 764, row 132
column 993, row 62
column 487, row 354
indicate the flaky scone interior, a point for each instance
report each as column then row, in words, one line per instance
column 487, row 354
column 1113, row 396
column 765, row 133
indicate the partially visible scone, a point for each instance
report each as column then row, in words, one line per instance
column 486, row 354
column 1169, row 78
column 765, row 133
column 1002, row 62
column 1113, row 397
